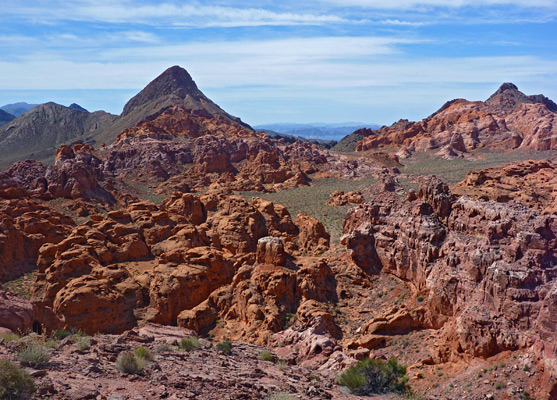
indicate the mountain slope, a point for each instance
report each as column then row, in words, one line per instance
column 174, row 87
column 38, row 133
column 5, row 117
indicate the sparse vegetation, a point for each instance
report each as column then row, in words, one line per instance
column 144, row 354
column 190, row 343
column 34, row 355
column 128, row 363
column 15, row 382
column 373, row 376
column 164, row 348
column 225, row 347
column 280, row 396
column 266, row 356
column 9, row 337
column 83, row 343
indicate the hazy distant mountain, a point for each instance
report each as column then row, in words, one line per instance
column 5, row 117
column 17, row 109
column 318, row 130
column 38, row 133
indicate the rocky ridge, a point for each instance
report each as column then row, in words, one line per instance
column 507, row 120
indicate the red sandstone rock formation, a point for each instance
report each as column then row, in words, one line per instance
column 486, row 270
column 508, row 120
column 532, row 183
column 340, row 198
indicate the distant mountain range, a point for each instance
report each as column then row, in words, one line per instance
column 17, row 109
column 5, row 117
column 38, row 132
column 318, row 130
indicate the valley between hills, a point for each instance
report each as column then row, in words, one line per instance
column 174, row 252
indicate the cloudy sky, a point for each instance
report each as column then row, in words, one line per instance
column 373, row 61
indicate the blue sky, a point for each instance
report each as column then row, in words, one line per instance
column 288, row 61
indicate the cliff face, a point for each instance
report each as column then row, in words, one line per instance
column 487, row 271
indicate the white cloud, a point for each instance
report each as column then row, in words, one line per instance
column 410, row 4
column 193, row 15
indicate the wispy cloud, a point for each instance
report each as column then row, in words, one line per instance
column 194, row 15
column 412, row 4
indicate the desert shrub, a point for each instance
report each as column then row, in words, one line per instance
column 61, row 334
column 225, row 347
column 34, row 355
column 83, row 343
column 280, row 396
column 15, row 382
column 143, row 353
column 165, row 347
column 128, row 363
column 374, row 376
column 266, row 356
column 190, row 343
column 9, row 337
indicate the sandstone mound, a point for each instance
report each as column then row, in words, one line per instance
column 532, row 183
column 179, row 263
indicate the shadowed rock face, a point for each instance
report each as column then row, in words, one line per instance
column 507, row 120
column 488, row 270
column 5, row 117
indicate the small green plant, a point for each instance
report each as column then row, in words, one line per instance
column 61, row 334
column 282, row 364
column 266, row 356
column 526, row 368
column 9, row 337
column 225, row 347
column 83, row 343
column 498, row 386
column 420, row 299
column 128, row 363
column 15, row 382
column 374, row 376
column 144, row 354
column 280, row 396
column 164, row 348
column 289, row 320
column 190, row 343
column 34, row 355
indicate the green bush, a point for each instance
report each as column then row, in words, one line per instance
column 9, row 337
column 280, row 396
column 128, row 363
column 225, row 347
column 143, row 353
column 15, row 382
column 373, row 376
column 266, row 356
column 83, row 343
column 190, row 343
column 34, row 355
column 164, row 348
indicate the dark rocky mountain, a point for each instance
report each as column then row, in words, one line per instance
column 17, row 109
column 348, row 143
column 77, row 107
column 5, row 117
column 174, row 87
column 508, row 97
column 38, row 133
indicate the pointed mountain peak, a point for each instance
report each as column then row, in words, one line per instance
column 77, row 107
column 507, row 86
column 507, row 97
column 174, row 82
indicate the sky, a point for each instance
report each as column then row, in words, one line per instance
column 372, row 61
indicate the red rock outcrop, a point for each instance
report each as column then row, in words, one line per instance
column 486, row 270
column 159, row 263
column 16, row 314
column 341, row 198
column 25, row 225
column 532, row 183
column 507, row 120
